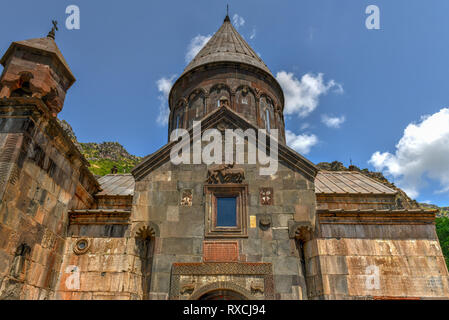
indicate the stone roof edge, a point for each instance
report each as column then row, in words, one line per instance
column 291, row 157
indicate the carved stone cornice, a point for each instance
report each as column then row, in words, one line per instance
column 385, row 217
column 99, row 217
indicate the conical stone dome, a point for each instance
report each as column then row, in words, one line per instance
column 227, row 45
column 227, row 73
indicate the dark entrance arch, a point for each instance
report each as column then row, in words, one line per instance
column 221, row 291
column 222, row 294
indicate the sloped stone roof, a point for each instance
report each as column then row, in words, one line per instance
column 348, row 182
column 225, row 115
column 227, row 45
column 326, row 182
column 44, row 44
column 117, row 185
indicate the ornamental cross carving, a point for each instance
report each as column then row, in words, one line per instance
column 266, row 196
column 186, row 199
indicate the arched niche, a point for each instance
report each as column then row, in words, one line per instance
column 145, row 235
column 266, row 111
column 245, row 103
column 217, row 95
column 179, row 115
column 197, row 106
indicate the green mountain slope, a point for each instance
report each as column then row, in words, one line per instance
column 103, row 157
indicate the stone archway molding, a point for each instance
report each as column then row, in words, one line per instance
column 146, row 230
column 221, row 285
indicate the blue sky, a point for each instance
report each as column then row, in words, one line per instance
column 379, row 81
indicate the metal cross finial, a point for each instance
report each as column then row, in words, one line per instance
column 53, row 30
column 227, row 13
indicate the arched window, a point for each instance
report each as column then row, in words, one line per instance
column 267, row 120
column 217, row 95
column 196, row 107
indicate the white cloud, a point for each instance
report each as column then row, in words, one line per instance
column 195, row 46
column 333, row 122
column 164, row 86
column 302, row 143
column 302, row 96
column 253, row 34
column 423, row 151
column 238, row 21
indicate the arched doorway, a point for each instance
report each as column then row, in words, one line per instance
column 222, row 294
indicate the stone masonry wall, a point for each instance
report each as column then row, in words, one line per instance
column 110, row 270
column 40, row 173
column 368, row 261
column 182, row 228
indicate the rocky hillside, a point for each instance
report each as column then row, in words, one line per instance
column 105, row 157
column 444, row 211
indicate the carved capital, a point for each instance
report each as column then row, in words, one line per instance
column 301, row 231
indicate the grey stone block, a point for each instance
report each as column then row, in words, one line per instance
column 177, row 245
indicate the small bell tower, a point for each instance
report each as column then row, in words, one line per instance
column 36, row 68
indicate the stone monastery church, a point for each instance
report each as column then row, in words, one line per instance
column 198, row 232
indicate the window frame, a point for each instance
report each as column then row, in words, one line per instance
column 212, row 192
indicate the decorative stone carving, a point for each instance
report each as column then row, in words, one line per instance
column 187, row 289
column 81, row 246
column 186, row 198
column 256, row 288
column 224, row 102
column 147, row 231
column 222, row 126
column 300, row 231
column 266, row 196
column 265, row 221
column 264, row 271
column 222, row 285
column 225, row 173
